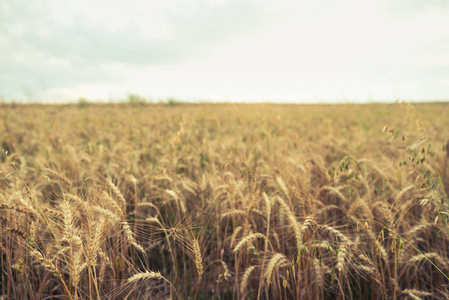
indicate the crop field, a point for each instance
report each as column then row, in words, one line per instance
column 224, row 201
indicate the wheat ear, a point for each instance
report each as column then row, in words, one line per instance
column 246, row 240
column 246, row 278
column 145, row 276
column 198, row 257
column 278, row 259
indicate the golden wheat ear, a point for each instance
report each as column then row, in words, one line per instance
column 247, row 240
column 278, row 260
column 148, row 275
column 141, row 285
column 245, row 279
column 198, row 257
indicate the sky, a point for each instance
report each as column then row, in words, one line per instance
column 224, row 50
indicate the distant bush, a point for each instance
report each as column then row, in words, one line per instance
column 83, row 102
column 172, row 102
column 134, row 99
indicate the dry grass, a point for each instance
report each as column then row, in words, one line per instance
column 224, row 202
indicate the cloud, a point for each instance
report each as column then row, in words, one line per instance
column 40, row 45
column 223, row 47
column 406, row 8
column 41, row 73
column 193, row 33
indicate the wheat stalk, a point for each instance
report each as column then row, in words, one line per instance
column 130, row 236
column 337, row 234
column 57, row 176
column 234, row 235
column 116, row 192
column 416, row 294
column 293, row 223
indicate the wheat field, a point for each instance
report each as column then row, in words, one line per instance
column 224, row 201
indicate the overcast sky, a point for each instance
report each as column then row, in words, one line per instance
column 225, row 50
